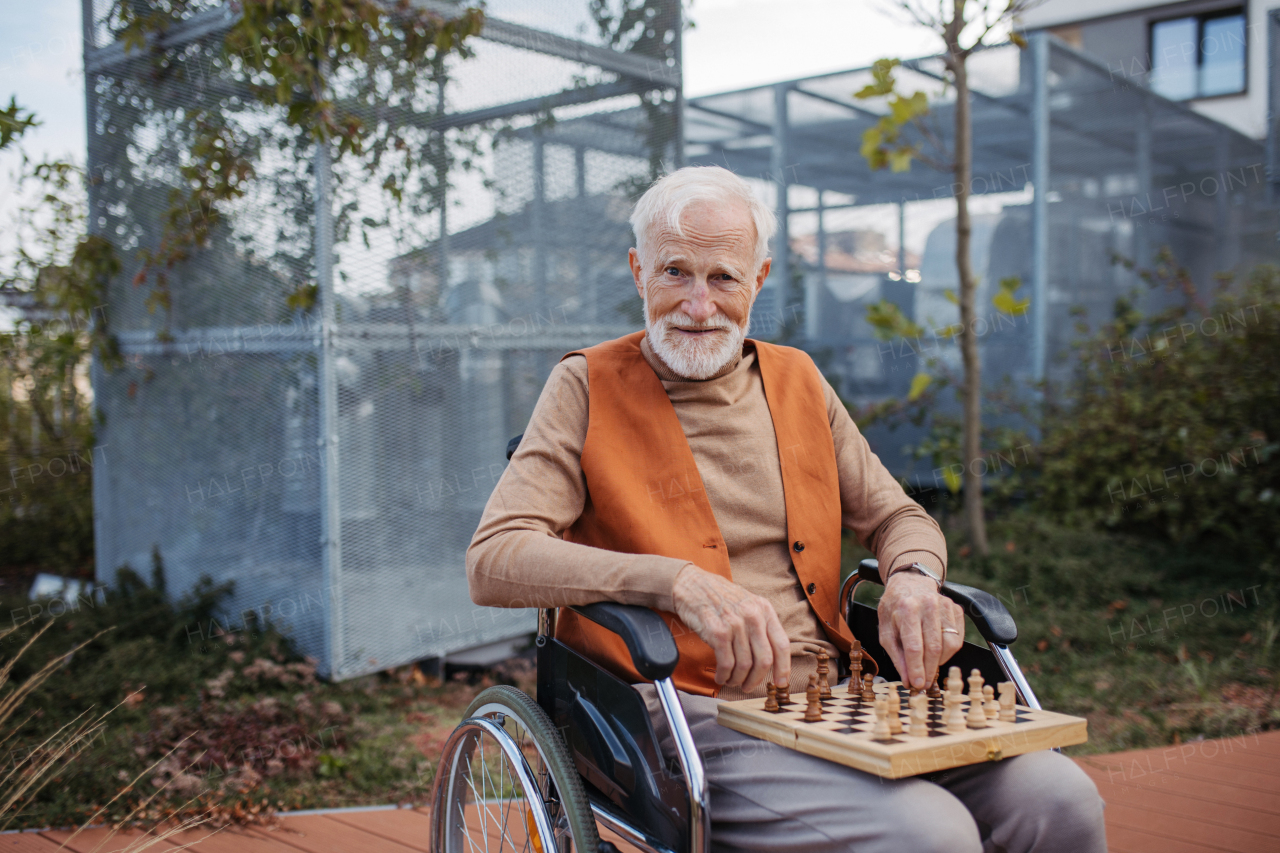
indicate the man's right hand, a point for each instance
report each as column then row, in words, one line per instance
column 743, row 628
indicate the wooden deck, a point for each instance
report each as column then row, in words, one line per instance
column 1218, row 796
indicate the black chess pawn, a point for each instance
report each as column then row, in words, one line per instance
column 771, row 699
column 824, row 671
column 935, row 692
column 813, row 696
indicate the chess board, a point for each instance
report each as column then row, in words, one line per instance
column 844, row 734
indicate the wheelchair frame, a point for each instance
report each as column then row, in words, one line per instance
column 601, row 742
column 654, row 655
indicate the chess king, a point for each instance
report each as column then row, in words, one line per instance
column 690, row 469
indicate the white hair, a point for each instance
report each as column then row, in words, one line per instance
column 665, row 201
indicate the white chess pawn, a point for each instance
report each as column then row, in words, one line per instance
column 881, row 731
column 955, row 684
column 1007, row 699
column 989, row 703
column 977, row 716
column 919, row 715
column 953, row 716
column 895, row 711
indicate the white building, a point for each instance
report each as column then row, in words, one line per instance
column 1213, row 55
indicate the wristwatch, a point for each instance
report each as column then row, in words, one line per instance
column 918, row 569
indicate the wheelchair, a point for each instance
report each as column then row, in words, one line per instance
column 525, row 775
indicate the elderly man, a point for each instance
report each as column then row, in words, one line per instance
column 689, row 469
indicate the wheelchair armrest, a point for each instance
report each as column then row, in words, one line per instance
column 991, row 617
column 653, row 649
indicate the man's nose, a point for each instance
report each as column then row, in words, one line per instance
column 698, row 304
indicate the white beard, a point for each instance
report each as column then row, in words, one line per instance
column 694, row 358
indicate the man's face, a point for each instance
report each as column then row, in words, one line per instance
column 698, row 287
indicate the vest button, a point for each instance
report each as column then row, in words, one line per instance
column 798, row 546
column 812, row 588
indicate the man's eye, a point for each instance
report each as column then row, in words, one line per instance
column 673, row 271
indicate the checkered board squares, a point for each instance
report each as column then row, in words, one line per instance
column 844, row 734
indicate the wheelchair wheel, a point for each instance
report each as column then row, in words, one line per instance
column 506, row 783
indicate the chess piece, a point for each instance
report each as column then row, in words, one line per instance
column 868, row 695
column 784, row 695
column 989, row 704
column 977, row 716
column 953, row 716
column 855, row 669
column 1007, row 699
column 882, row 730
column 934, row 691
column 824, row 671
column 771, row 699
column 955, row 684
column 919, row 715
column 895, row 711
column 813, row 713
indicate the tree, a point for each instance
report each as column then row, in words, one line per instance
column 52, row 282
column 963, row 28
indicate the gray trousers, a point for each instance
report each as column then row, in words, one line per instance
column 768, row 798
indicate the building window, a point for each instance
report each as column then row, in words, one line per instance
column 1199, row 56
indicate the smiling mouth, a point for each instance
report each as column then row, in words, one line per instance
column 698, row 331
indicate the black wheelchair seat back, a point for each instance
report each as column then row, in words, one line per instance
column 611, row 739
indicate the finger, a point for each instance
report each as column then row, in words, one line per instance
column 742, row 662
column 781, row 650
column 931, row 624
column 951, row 643
column 722, row 642
column 889, row 642
column 761, row 653
column 907, row 623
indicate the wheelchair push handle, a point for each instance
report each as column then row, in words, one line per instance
column 653, row 649
column 988, row 613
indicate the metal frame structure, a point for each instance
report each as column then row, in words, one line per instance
column 1095, row 154
column 484, row 344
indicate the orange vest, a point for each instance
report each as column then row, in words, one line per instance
column 645, row 495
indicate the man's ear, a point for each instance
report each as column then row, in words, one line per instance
column 763, row 274
column 637, row 269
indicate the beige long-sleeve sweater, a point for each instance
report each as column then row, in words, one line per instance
column 517, row 558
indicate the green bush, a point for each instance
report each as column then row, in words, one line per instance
column 1172, row 425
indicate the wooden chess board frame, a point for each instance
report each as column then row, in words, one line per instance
column 844, row 735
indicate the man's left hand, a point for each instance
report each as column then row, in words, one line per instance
column 913, row 615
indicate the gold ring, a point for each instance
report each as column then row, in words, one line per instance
column 950, row 631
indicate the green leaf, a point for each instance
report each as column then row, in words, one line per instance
column 919, row 383
column 1006, row 300
column 900, row 159
column 951, row 297
column 953, row 480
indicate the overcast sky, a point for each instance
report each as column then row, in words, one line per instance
column 734, row 43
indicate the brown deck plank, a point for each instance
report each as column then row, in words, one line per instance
column 231, row 839
column 1167, row 802
column 322, row 834
column 409, row 827
column 1194, row 830
column 27, row 842
column 1205, row 790
column 1129, row 840
column 88, row 841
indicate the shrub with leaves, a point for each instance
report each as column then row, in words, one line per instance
column 1172, row 426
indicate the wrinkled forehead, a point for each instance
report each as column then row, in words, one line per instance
column 722, row 228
